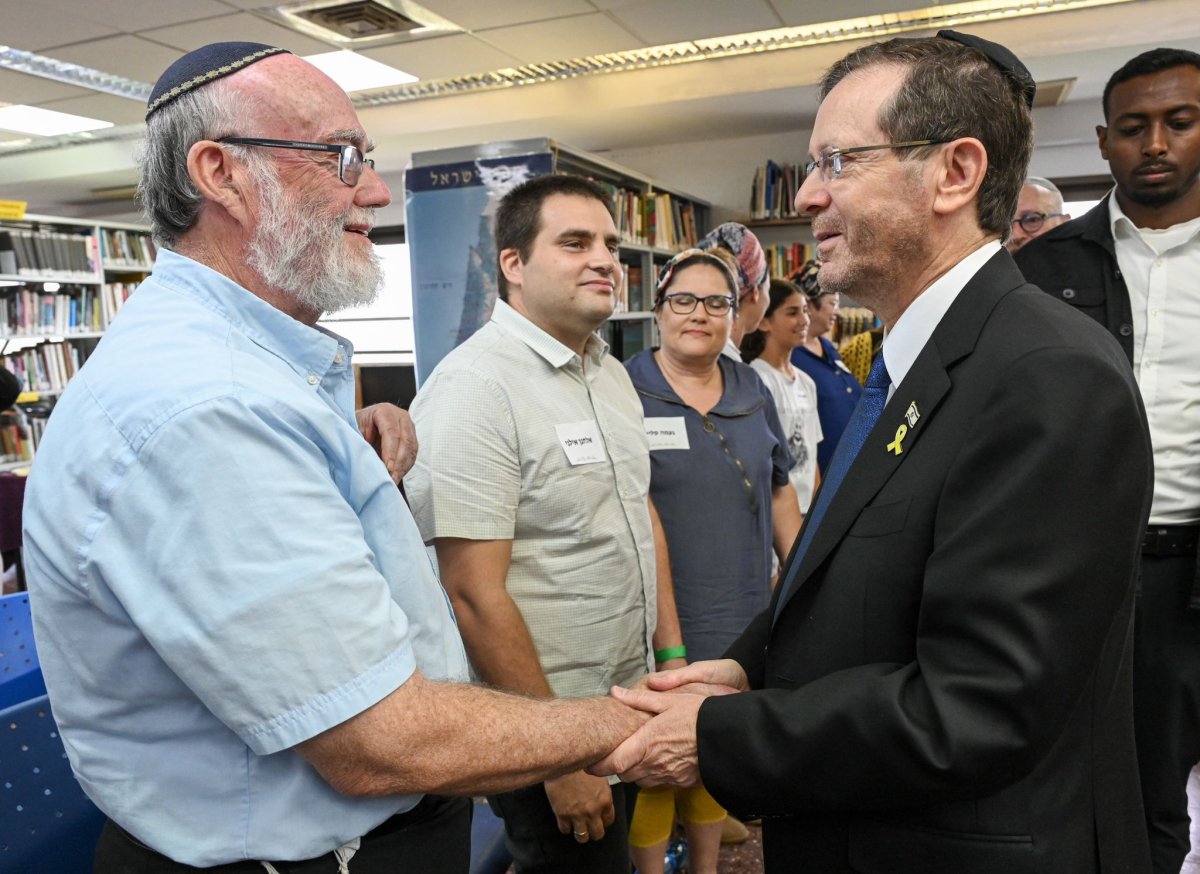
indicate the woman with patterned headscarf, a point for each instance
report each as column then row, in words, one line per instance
column 752, row 276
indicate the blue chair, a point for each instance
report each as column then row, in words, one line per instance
column 20, row 670
column 488, row 852
column 46, row 822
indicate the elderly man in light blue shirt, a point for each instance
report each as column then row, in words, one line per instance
column 248, row 653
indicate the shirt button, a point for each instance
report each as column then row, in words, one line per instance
column 312, row 379
column 1068, row 293
column 849, row 390
column 340, row 357
column 1125, row 330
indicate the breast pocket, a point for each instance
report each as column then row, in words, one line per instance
column 881, row 519
column 1088, row 299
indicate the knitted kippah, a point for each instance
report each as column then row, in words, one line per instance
column 1003, row 59
column 746, row 251
column 204, row 65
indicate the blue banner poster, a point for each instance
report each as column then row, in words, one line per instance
column 449, row 212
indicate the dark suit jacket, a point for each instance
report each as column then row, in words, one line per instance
column 947, row 688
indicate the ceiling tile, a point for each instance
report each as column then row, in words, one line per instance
column 35, row 26
column 23, row 88
column 668, row 21
column 128, row 56
column 106, row 107
column 443, row 57
column 797, row 12
column 237, row 26
column 476, row 15
column 134, row 15
column 562, row 38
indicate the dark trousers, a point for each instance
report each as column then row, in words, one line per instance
column 432, row 838
column 1166, row 699
column 538, row 847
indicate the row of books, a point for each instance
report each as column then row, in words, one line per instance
column 854, row 320
column 658, row 220
column 127, row 248
column 786, row 258
column 40, row 252
column 630, row 297
column 20, row 433
column 46, row 366
column 773, row 192
column 28, row 311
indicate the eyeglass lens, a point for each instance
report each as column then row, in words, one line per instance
column 351, row 166
column 1032, row 221
column 682, row 304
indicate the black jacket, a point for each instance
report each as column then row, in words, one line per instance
column 1077, row 263
column 946, row 689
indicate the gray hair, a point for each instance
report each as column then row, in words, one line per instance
column 1043, row 183
column 170, row 200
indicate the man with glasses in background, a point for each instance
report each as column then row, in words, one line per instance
column 249, row 656
column 1039, row 209
column 942, row 681
column 1132, row 263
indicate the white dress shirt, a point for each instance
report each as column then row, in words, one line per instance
column 1162, row 272
column 904, row 342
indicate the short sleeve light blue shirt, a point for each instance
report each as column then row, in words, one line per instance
column 221, row 568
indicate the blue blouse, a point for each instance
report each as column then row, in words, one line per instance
column 837, row 394
column 714, row 497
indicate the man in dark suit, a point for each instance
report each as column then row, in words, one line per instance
column 942, row 684
column 1131, row 263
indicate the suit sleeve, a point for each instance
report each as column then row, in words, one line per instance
column 1027, row 584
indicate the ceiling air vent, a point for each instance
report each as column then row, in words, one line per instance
column 1052, row 92
column 362, row 23
column 363, row 18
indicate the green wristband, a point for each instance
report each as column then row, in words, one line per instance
column 671, row 652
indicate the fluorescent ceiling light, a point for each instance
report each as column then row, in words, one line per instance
column 45, row 122
column 353, row 72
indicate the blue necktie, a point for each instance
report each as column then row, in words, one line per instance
column 866, row 414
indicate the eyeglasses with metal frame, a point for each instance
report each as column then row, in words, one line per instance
column 684, row 303
column 1031, row 222
column 350, row 158
column 829, row 161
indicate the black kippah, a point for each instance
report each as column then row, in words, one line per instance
column 204, row 65
column 1003, row 59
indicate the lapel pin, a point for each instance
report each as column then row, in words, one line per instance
column 912, row 415
column 895, row 446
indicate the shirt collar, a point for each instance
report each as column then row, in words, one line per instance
column 1122, row 226
column 555, row 353
column 916, row 325
column 306, row 349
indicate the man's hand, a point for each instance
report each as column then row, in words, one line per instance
column 663, row 752
column 390, row 431
column 715, row 677
column 582, row 804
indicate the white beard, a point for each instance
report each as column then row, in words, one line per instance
column 309, row 259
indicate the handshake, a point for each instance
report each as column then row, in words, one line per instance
column 662, row 751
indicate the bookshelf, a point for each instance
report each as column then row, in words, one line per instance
column 451, row 197
column 62, row 281
column 784, row 233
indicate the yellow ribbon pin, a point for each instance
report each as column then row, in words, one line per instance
column 895, row 446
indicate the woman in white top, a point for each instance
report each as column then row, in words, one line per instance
column 768, row 350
